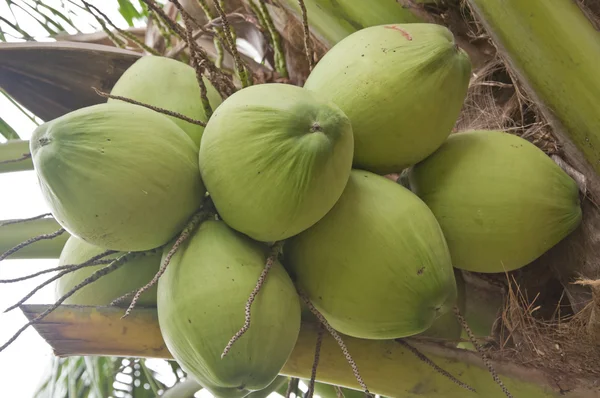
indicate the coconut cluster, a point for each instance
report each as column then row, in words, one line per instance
column 304, row 166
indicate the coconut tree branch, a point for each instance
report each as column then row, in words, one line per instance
column 31, row 241
column 307, row 42
column 386, row 366
column 12, row 234
column 239, row 65
column 154, row 108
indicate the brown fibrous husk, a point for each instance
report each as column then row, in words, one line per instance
column 565, row 345
column 551, row 314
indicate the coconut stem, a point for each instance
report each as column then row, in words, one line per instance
column 338, row 339
column 165, row 18
column 194, row 221
column 70, row 268
column 121, row 31
column 61, row 274
column 338, row 392
column 20, row 220
column 313, row 376
column 154, row 108
column 280, row 64
column 216, row 76
column 28, row 242
column 206, row 9
column 218, row 40
column 24, row 157
column 239, row 65
column 438, row 369
column 117, row 41
column 292, row 387
column 196, row 61
column 121, row 299
column 116, row 264
column 275, row 249
column 162, row 27
column 579, row 178
column 486, row 360
column 307, row 42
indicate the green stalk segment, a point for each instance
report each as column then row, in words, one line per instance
column 332, row 20
column 556, row 52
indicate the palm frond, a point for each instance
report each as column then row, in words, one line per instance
column 101, row 377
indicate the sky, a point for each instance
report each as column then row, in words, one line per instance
column 25, row 363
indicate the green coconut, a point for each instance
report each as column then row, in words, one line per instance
column 275, row 159
column 201, row 300
column 131, row 276
column 401, row 85
column 169, row 84
column 499, row 199
column 377, row 265
column 118, row 176
column 446, row 326
column 274, row 386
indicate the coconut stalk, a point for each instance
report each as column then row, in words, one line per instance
column 14, row 233
column 386, row 366
column 14, row 156
column 332, row 20
column 555, row 51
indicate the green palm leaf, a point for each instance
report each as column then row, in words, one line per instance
column 7, row 131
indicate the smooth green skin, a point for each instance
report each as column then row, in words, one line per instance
column 376, row 266
column 333, row 20
column 556, row 50
column 131, row 276
column 274, row 386
column 500, row 200
column 169, row 84
column 269, row 175
column 13, row 234
column 446, row 326
column 118, row 176
column 402, row 96
column 201, row 300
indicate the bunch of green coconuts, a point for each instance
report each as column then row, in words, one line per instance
column 304, row 166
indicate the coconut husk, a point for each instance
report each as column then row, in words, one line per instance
column 564, row 345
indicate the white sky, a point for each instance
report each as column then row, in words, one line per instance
column 26, row 361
